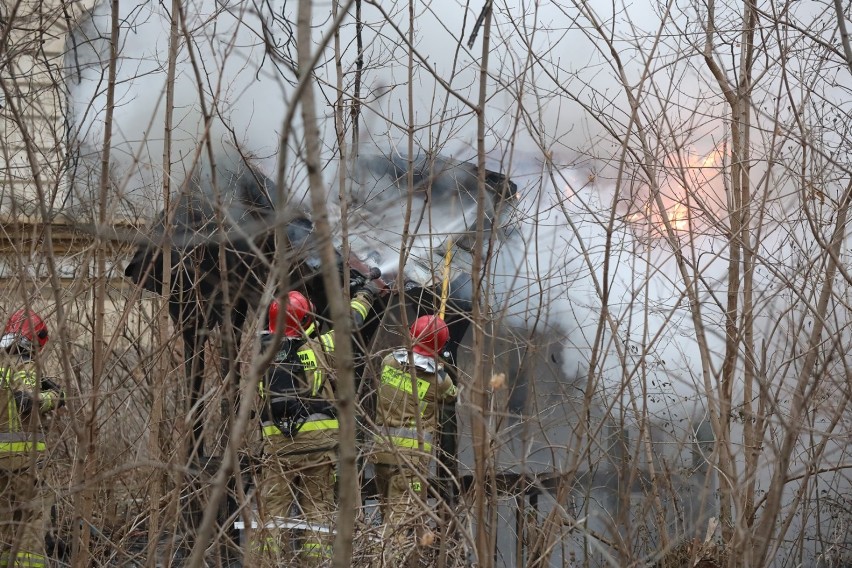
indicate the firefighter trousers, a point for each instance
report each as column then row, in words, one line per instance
column 22, row 516
column 297, row 487
column 401, row 490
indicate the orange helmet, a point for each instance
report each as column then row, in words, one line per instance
column 429, row 334
column 26, row 329
column 300, row 314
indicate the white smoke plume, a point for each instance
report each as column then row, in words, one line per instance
column 556, row 244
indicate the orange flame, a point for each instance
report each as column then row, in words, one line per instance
column 687, row 178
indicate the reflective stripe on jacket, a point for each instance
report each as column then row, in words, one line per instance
column 316, row 356
column 408, row 397
column 270, row 429
column 314, row 370
column 307, row 353
column 316, row 394
column 20, row 433
column 23, row 560
column 20, row 442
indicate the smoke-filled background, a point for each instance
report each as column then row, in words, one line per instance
column 609, row 274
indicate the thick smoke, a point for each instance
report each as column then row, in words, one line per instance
column 551, row 276
column 243, row 57
column 555, row 245
column 551, row 244
column 241, row 89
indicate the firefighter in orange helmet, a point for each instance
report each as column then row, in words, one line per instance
column 299, row 426
column 412, row 384
column 25, row 399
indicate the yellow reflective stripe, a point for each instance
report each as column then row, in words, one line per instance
column 402, row 432
column 20, row 447
column 270, row 544
column 401, row 380
column 26, row 378
column 12, row 413
column 317, row 549
column 309, row 363
column 23, row 559
column 310, row 426
column 395, row 434
column 271, row 430
column 48, row 399
column 360, row 307
column 327, row 341
column 409, row 443
column 11, row 405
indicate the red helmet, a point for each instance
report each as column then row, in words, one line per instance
column 300, row 314
column 26, row 328
column 429, row 334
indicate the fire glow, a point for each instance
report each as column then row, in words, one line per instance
column 689, row 188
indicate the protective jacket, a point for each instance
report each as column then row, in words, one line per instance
column 298, row 390
column 405, row 393
column 24, row 400
column 300, row 426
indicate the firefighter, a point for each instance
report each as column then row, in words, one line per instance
column 412, row 384
column 300, row 427
column 25, row 399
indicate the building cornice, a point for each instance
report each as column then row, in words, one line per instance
column 21, row 235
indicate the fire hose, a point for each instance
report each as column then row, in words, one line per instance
column 447, row 434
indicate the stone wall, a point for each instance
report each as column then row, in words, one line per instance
column 33, row 115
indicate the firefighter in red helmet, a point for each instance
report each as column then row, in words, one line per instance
column 299, row 426
column 25, row 399
column 412, row 384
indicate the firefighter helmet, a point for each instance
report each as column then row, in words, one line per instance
column 299, row 317
column 429, row 334
column 26, row 330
